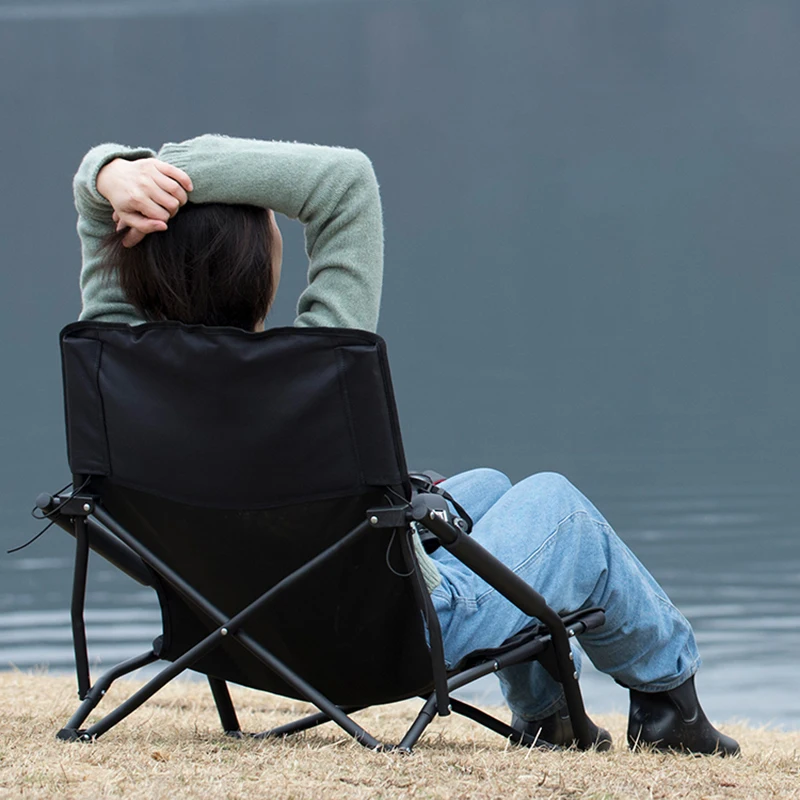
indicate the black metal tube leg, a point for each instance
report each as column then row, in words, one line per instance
column 76, row 610
column 152, row 686
column 229, row 626
column 310, row 693
column 424, row 718
column 304, row 724
column 488, row 721
column 225, row 709
column 71, row 730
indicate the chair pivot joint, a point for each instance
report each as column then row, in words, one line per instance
column 388, row 517
column 432, row 511
column 78, row 505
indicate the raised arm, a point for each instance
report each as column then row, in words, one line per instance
column 332, row 191
column 101, row 295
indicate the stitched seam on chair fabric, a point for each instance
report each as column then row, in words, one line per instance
column 348, row 412
column 399, row 453
column 99, row 463
column 103, row 425
column 67, row 414
column 287, row 500
column 353, row 334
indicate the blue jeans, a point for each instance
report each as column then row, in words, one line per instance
column 548, row 533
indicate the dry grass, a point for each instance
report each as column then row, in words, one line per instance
column 173, row 748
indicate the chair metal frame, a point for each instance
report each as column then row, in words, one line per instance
column 94, row 528
column 146, row 476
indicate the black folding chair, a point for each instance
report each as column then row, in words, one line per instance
column 257, row 482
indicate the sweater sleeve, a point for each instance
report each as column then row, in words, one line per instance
column 332, row 191
column 101, row 295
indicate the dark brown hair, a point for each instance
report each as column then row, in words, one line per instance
column 211, row 266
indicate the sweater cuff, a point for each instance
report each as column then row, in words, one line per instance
column 176, row 153
column 430, row 574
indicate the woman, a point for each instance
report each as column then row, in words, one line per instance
column 147, row 255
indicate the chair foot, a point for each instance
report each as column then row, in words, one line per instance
column 73, row 735
column 557, row 730
column 396, row 748
column 225, row 709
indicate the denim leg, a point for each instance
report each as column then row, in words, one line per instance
column 547, row 532
column 477, row 490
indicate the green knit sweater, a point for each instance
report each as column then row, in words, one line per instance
column 331, row 190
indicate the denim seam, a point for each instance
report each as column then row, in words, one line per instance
column 694, row 666
column 548, row 542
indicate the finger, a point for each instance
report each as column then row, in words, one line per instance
column 176, row 174
column 163, row 200
column 132, row 238
column 141, row 223
column 115, row 217
column 142, row 228
column 166, row 199
column 173, row 187
column 142, row 204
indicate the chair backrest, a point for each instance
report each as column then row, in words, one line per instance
column 237, row 457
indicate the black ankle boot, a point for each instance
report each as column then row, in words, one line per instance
column 674, row 720
column 557, row 729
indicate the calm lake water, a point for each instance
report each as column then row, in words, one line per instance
column 591, row 267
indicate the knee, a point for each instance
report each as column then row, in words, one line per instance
column 478, row 490
column 493, row 480
column 553, row 492
column 550, row 483
column 488, row 481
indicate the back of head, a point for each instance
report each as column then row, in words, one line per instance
column 212, row 266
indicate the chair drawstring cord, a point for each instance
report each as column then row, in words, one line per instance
column 48, row 515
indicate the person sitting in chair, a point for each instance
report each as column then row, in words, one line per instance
column 189, row 234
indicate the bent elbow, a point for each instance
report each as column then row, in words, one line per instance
column 359, row 169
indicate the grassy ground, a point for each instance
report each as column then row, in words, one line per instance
column 173, row 747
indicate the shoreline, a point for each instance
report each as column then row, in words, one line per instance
column 173, row 747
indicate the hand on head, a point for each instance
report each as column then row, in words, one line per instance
column 144, row 194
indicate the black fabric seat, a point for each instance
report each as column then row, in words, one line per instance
column 257, row 482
